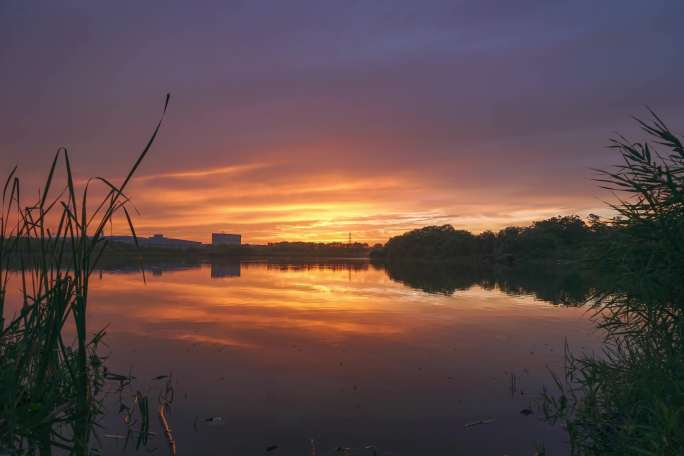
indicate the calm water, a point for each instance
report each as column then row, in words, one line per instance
column 350, row 355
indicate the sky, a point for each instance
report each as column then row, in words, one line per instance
column 309, row 120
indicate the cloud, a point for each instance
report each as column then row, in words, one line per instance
column 208, row 172
column 364, row 117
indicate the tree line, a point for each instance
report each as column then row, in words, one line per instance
column 562, row 238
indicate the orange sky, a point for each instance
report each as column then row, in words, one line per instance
column 269, row 202
column 311, row 121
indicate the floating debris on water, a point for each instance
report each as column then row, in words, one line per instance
column 114, row 436
column 477, row 423
column 117, row 377
column 514, row 384
column 371, row 448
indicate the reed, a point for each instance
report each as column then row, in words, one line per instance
column 49, row 385
column 629, row 400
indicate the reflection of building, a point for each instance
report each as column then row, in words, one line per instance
column 219, row 270
column 158, row 240
column 225, row 239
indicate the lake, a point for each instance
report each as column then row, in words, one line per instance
column 265, row 358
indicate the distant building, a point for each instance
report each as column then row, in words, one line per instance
column 225, row 239
column 158, row 240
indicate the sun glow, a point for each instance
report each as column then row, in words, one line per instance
column 269, row 202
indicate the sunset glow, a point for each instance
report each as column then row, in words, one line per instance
column 266, row 207
column 476, row 115
column 344, row 227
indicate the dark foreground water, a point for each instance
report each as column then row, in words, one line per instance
column 264, row 358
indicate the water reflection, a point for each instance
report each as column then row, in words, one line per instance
column 221, row 270
column 346, row 352
column 555, row 284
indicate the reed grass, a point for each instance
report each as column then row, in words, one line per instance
column 629, row 400
column 49, row 386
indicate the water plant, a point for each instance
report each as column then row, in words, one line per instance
column 630, row 398
column 49, row 385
